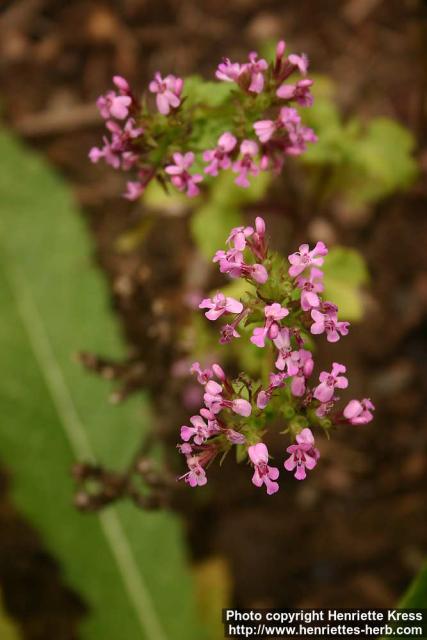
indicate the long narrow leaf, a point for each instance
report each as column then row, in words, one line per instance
column 129, row 566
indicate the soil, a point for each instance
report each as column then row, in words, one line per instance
column 356, row 533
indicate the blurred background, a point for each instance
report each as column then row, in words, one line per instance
column 355, row 533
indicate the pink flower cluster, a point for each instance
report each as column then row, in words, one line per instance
column 260, row 144
column 237, row 412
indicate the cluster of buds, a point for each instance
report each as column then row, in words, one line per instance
column 282, row 306
column 162, row 142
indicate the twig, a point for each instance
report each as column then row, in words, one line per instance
column 58, row 121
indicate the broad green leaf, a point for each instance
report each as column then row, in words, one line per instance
column 370, row 160
column 345, row 273
column 127, row 565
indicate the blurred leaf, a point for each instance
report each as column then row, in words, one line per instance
column 236, row 288
column 156, row 197
column 128, row 565
column 414, row 598
column 213, row 94
column 416, row 595
column 213, row 583
column 212, row 222
column 8, row 629
column 325, row 119
column 210, row 226
column 385, row 155
column 345, row 272
column 225, row 191
column 369, row 161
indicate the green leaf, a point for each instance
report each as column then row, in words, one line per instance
column 368, row 161
column 210, row 226
column 128, row 565
column 211, row 223
column 385, row 155
column 416, row 595
column 226, row 192
column 414, row 598
column 214, row 593
column 345, row 272
column 213, row 94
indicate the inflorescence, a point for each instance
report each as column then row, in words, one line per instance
column 163, row 143
column 282, row 307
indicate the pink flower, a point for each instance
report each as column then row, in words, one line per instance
column 245, row 165
column 325, row 408
column 199, row 431
column 263, row 398
column 122, row 85
column 287, row 359
column 304, row 455
column 249, row 75
column 263, row 473
column 219, row 157
column 228, row 71
column 119, row 152
column 330, row 381
column 196, row 476
column 288, row 118
column 280, row 52
column 220, row 304
column 215, row 402
column 181, row 178
column 228, row 332
column 134, row 190
column 326, row 322
column 235, row 437
column 304, row 258
column 265, row 129
column 240, row 406
column 203, row 375
column 218, row 371
column 310, row 288
column 273, row 314
column 299, row 92
column 112, row 105
column 231, row 262
column 185, row 448
column 293, row 139
column 238, row 237
column 296, row 145
column 276, row 380
column 305, row 369
column 168, row 92
column 359, row 412
column 213, row 423
column 257, row 242
column 300, row 62
column 255, row 69
column 295, row 135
